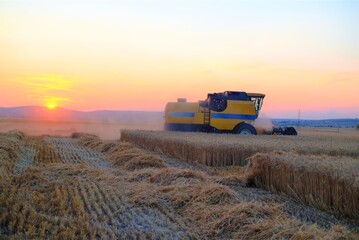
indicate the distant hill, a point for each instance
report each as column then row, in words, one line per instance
column 61, row 114
column 335, row 123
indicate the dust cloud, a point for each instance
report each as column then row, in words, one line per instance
column 107, row 130
column 263, row 124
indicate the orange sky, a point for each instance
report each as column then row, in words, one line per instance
column 134, row 55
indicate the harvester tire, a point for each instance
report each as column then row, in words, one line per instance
column 290, row 131
column 245, row 129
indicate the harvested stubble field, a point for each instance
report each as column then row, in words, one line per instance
column 231, row 149
column 86, row 188
column 318, row 170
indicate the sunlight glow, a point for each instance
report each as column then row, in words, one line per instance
column 52, row 106
column 139, row 55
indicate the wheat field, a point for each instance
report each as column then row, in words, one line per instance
column 82, row 187
column 230, row 149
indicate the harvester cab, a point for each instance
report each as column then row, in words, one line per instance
column 218, row 101
column 225, row 112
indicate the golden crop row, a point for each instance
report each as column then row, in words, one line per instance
column 328, row 183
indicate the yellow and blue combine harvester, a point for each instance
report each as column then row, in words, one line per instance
column 225, row 112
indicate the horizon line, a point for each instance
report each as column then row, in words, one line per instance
column 158, row 111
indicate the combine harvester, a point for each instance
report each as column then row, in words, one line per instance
column 227, row 112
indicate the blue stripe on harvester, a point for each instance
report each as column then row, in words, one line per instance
column 181, row 114
column 233, row 116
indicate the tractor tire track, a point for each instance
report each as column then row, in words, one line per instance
column 26, row 159
column 103, row 201
column 70, row 152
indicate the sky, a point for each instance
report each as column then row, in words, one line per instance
column 139, row 55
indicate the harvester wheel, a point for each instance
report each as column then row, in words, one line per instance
column 245, row 129
column 290, row 131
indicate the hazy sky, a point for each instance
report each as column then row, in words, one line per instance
column 88, row 55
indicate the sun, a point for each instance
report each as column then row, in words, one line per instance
column 51, row 106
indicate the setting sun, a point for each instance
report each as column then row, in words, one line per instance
column 51, row 106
